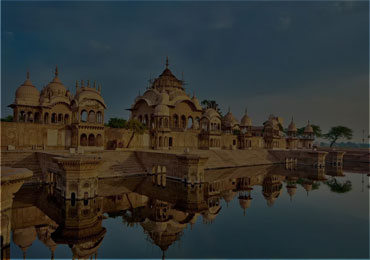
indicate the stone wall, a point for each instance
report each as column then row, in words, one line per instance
column 119, row 138
column 303, row 157
column 20, row 159
column 34, row 136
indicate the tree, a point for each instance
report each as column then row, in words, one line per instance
column 338, row 187
column 337, row 132
column 316, row 131
column 136, row 127
column 211, row 104
column 7, row 119
column 117, row 122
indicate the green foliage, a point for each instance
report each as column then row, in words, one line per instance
column 117, row 122
column 136, row 127
column 211, row 104
column 338, row 187
column 337, row 132
column 281, row 128
column 7, row 119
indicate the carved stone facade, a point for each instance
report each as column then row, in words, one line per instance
column 81, row 116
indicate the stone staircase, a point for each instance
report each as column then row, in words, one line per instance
column 120, row 163
column 235, row 158
column 20, row 159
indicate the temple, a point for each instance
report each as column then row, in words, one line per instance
column 54, row 118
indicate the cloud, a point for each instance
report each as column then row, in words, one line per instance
column 284, row 23
column 99, row 45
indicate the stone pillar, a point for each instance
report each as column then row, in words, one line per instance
column 191, row 167
column 11, row 181
column 78, row 176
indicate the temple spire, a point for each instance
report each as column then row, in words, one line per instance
column 28, row 75
column 56, row 71
column 167, row 62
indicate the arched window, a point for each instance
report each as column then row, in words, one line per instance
column 66, row 119
column 46, row 118
column 190, row 122
column 60, row 118
column 29, row 117
column 166, row 141
column 54, row 118
column 22, row 116
column 175, row 121
column 37, row 117
column 99, row 117
column 183, row 121
column 146, row 120
column 83, row 116
column 83, row 140
column 91, row 140
column 92, row 116
column 160, row 141
column 166, row 122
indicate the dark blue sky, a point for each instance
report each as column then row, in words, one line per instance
column 309, row 60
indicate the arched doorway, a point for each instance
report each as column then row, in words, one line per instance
column 83, row 140
column 91, row 140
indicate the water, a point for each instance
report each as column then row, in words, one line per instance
column 136, row 219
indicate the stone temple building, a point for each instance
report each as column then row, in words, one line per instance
column 176, row 119
column 55, row 118
column 80, row 115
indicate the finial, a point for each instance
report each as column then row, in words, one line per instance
column 308, row 122
column 56, row 71
column 292, row 119
column 228, row 110
column 28, row 75
column 167, row 62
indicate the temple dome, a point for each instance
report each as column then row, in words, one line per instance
column 87, row 93
column 292, row 127
column 56, row 87
column 27, row 94
column 195, row 101
column 308, row 128
column 245, row 202
column 161, row 110
column 164, row 98
column 246, row 120
column 229, row 120
column 24, row 237
column 210, row 113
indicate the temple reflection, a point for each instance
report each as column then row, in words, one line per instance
column 163, row 210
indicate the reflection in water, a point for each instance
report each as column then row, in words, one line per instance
column 163, row 213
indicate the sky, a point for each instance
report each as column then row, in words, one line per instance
column 307, row 60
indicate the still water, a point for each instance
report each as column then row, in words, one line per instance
column 254, row 212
